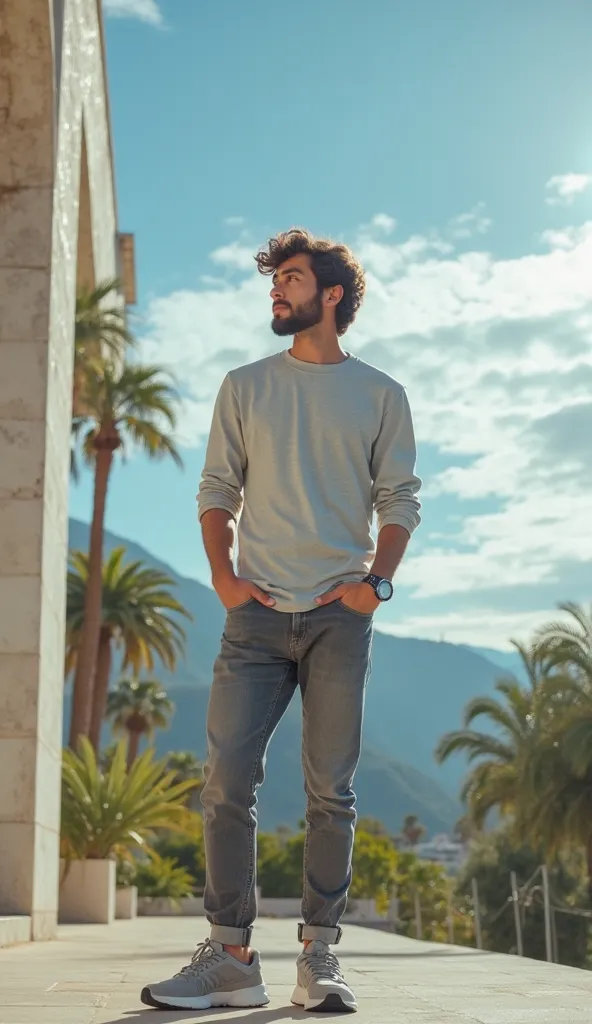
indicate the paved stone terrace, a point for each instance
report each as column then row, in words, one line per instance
column 93, row 975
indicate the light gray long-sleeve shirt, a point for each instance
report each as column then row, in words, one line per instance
column 302, row 454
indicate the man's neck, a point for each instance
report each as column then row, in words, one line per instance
column 318, row 346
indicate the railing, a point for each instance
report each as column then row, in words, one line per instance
column 536, row 891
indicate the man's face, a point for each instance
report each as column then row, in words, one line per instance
column 297, row 301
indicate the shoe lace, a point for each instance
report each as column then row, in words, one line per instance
column 323, row 964
column 204, row 958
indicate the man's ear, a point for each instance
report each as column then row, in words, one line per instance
column 334, row 295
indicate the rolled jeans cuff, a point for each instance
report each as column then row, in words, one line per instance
column 310, row 932
column 231, row 936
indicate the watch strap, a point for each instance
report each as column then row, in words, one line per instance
column 375, row 582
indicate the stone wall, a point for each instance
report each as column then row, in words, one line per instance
column 49, row 103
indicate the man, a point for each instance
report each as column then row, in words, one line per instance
column 305, row 445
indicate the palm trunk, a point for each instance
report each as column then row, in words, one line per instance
column 101, row 687
column 589, row 867
column 89, row 644
column 133, row 747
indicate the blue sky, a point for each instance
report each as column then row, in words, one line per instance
column 451, row 145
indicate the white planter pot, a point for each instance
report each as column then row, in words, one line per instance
column 87, row 891
column 126, row 903
column 157, row 906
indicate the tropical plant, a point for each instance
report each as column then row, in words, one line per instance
column 568, row 644
column 108, row 813
column 137, row 614
column 158, row 876
column 106, row 755
column 412, row 831
column 568, row 648
column 515, row 722
column 125, row 875
column 556, row 808
column 123, row 406
column 188, row 851
column 137, row 708
column 100, row 329
column 464, row 829
column 186, row 765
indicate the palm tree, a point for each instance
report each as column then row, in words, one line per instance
column 494, row 781
column 557, row 803
column 555, row 810
column 568, row 645
column 186, row 766
column 135, row 615
column 99, row 329
column 412, row 830
column 138, row 707
column 131, row 405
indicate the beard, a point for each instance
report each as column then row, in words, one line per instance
column 308, row 315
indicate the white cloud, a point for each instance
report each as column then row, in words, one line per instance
column 143, row 10
column 235, row 255
column 565, row 187
column 234, row 222
column 496, row 355
column 476, row 627
column 474, row 222
column 384, row 222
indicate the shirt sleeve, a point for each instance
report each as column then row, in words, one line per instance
column 395, row 485
column 223, row 474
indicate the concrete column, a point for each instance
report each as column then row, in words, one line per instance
column 35, row 396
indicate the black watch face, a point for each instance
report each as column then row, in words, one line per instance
column 384, row 590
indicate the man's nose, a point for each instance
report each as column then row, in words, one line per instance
column 276, row 292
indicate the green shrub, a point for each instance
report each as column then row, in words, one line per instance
column 163, row 877
column 188, row 851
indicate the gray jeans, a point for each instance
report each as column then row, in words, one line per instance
column 266, row 655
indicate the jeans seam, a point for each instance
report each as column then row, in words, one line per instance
column 262, row 741
column 305, row 859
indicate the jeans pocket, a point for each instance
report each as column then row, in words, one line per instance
column 352, row 611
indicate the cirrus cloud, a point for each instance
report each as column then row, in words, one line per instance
column 143, row 10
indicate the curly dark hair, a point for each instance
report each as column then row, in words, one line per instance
column 332, row 263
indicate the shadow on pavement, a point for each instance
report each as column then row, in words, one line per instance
column 263, row 1016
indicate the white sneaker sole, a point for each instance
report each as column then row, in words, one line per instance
column 333, row 1002
column 245, row 998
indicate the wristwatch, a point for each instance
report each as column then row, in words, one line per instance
column 382, row 588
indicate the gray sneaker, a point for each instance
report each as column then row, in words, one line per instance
column 213, row 978
column 320, row 984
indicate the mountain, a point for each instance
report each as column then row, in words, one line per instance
column 417, row 692
column 386, row 788
column 509, row 661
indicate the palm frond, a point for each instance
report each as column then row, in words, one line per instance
column 111, row 812
column 475, row 744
